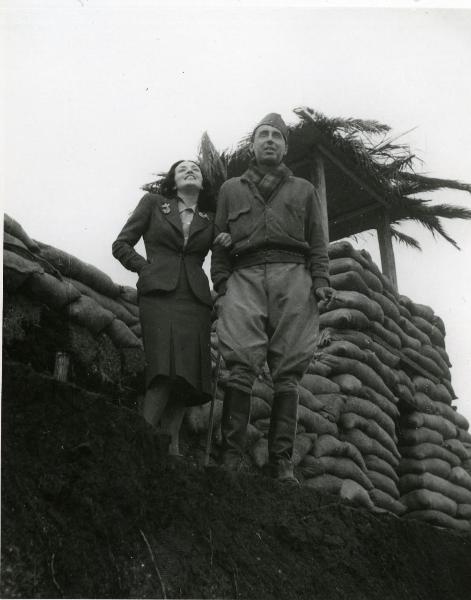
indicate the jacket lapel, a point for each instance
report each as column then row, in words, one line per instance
column 169, row 209
column 201, row 220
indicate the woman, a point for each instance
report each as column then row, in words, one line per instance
column 175, row 304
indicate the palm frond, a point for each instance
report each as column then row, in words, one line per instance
column 405, row 239
column 211, row 163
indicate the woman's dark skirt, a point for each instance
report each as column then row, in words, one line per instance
column 176, row 329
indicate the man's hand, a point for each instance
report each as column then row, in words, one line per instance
column 217, row 307
column 324, row 293
column 223, row 239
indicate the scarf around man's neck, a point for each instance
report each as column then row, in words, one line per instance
column 267, row 183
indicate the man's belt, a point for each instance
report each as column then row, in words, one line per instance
column 259, row 257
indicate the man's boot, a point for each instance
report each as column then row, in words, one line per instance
column 235, row 418
column 283, row 423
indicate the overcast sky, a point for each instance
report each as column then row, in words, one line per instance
column 99, row 96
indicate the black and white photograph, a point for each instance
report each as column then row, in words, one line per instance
column 236, row 342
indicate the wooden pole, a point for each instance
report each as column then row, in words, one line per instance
column 388, row 263
column 318, row 180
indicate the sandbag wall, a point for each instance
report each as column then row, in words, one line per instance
column 375, row 423
column 86, row 296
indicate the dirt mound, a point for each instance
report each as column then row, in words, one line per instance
column 90, row 510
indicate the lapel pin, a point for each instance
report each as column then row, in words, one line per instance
column 203, row 215
column 165, row 208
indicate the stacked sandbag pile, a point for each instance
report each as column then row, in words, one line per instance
column 434, row 439
column 359, row 460
column 64, row 283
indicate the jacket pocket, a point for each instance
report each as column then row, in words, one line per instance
column 294, row 218
column 239, row 221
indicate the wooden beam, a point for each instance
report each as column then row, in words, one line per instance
column 388, row 263
column 328, row 151
column 318, row 180
column 357, row 212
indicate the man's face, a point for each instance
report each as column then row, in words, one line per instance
column 269, row 146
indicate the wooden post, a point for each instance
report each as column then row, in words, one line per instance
column 318, row 180
column 388, row 263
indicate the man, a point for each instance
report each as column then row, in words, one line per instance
column 267, row 286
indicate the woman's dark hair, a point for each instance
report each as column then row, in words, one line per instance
column 206, row 199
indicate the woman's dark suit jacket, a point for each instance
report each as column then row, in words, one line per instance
column 158, row 221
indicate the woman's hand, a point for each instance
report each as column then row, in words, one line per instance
column 223, row 239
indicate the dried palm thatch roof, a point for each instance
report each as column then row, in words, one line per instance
column 367, row 171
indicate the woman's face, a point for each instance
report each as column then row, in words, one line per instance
column 188, row 175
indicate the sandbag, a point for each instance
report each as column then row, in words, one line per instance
column 413, row 331
column 426, row 450
column 72, row 267
column 344, row 249
column 384, row 483
column 344, row 318
column 302, row 445
column 421, row 310
column 344, row 348
column 317, row 368
column 315, row 423
column 436, row 466
column 389, row 307
column 428, row 500
column 383, row 403
column 197, row 417
column 464, row 512
column 354, row 493
column 433, row 354
column 389, row 377
column 356, row 300
column 327, row 445
column 460, row 420
column 460, row 477
column 385, row 356
column 17, row 269
column 407, row 341
column 349, row 384
column 263, row 390
column 317, row 384
column 374, row 463
column 259, row 408
column 52, row 291
column 16, row 230
column 438, row 322
column 423, row 361
column 350, row 280
column 329, row 406
column 433, row 483
column 89, row 314
column 435, row 517
column 128, row 294
column 136, row 329
column 121, row 335
column 436, row 337
column 421, row 435
column 456, row 447
column 383, row 336
column 263, row 425
column 368, row 445
column 330, row 334
column 386, row 502
column 371, row 428
column 422, row 403
column 259, row 452
column 132, row 308
column 344, row 468
column 436, row 392
column 364, row 373
column 109, row 303
column 326, row 484
column 435, row 422
column 369, row 410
